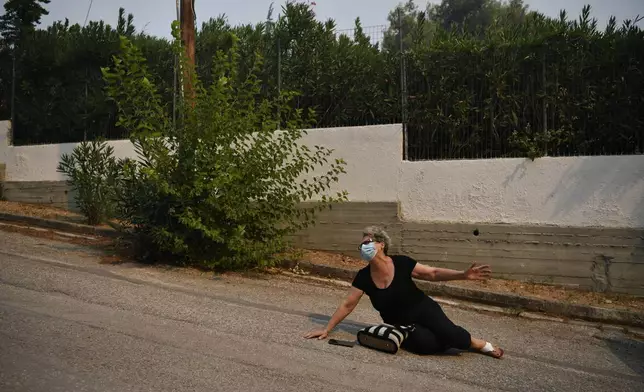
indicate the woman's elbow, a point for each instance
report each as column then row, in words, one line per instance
column 431, row 275
column 349, row 306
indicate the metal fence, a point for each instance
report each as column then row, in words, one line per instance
column 540, row 111
column 502, row 102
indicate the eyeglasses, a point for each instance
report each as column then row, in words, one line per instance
column 365, row 242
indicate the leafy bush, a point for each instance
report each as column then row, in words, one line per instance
column 221, row 188
column 92, row 172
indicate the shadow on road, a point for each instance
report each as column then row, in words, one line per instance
column 629, row 351
column 345, row 326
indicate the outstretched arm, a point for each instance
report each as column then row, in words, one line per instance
column 475, row 272
column 347, row 306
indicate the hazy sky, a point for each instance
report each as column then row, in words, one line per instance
column 155, row 16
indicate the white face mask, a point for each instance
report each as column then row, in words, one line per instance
column 368, row 251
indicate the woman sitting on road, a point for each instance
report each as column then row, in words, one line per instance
column 387, row 280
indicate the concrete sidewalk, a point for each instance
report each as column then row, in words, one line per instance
column 69, row 323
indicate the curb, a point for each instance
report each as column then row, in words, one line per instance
column 60, row 225
column 531, row 304
column 518, row 305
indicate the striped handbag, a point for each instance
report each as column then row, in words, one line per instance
column 384, row 337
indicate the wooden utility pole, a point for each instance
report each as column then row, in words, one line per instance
column 188, row 39
column 188, row 28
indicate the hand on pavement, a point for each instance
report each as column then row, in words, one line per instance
column 321, row 334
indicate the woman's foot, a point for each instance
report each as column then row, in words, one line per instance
column 496, row 352
column 486, row 348
column 491, row 351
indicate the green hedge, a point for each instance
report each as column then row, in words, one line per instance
column 528, row 88
column 542, row 87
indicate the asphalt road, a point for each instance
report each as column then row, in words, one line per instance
column 69, row 323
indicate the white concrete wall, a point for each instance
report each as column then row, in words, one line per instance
column 569, row 191
column 38, row 163
column 367, row 150
column 373, row 155
column 572, row 191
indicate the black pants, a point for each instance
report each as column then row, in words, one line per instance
column 434, row 332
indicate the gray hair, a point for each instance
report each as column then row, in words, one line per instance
column 378, row 234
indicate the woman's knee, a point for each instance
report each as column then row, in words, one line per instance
column 445, row 331
column 423, row 342
column 423, row 348
column 456, row 337
column 452, row 336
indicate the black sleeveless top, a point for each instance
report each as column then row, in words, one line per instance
column 396, row 302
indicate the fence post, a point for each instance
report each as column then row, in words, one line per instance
column 279, row 83
column 13, row 93
column 403, row 88
column 86, row 104
column 176, row 74
column 545, row 107
column 174, row 92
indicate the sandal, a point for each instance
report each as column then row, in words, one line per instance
column 496, row 353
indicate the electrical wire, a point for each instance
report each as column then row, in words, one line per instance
column 89, row 9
